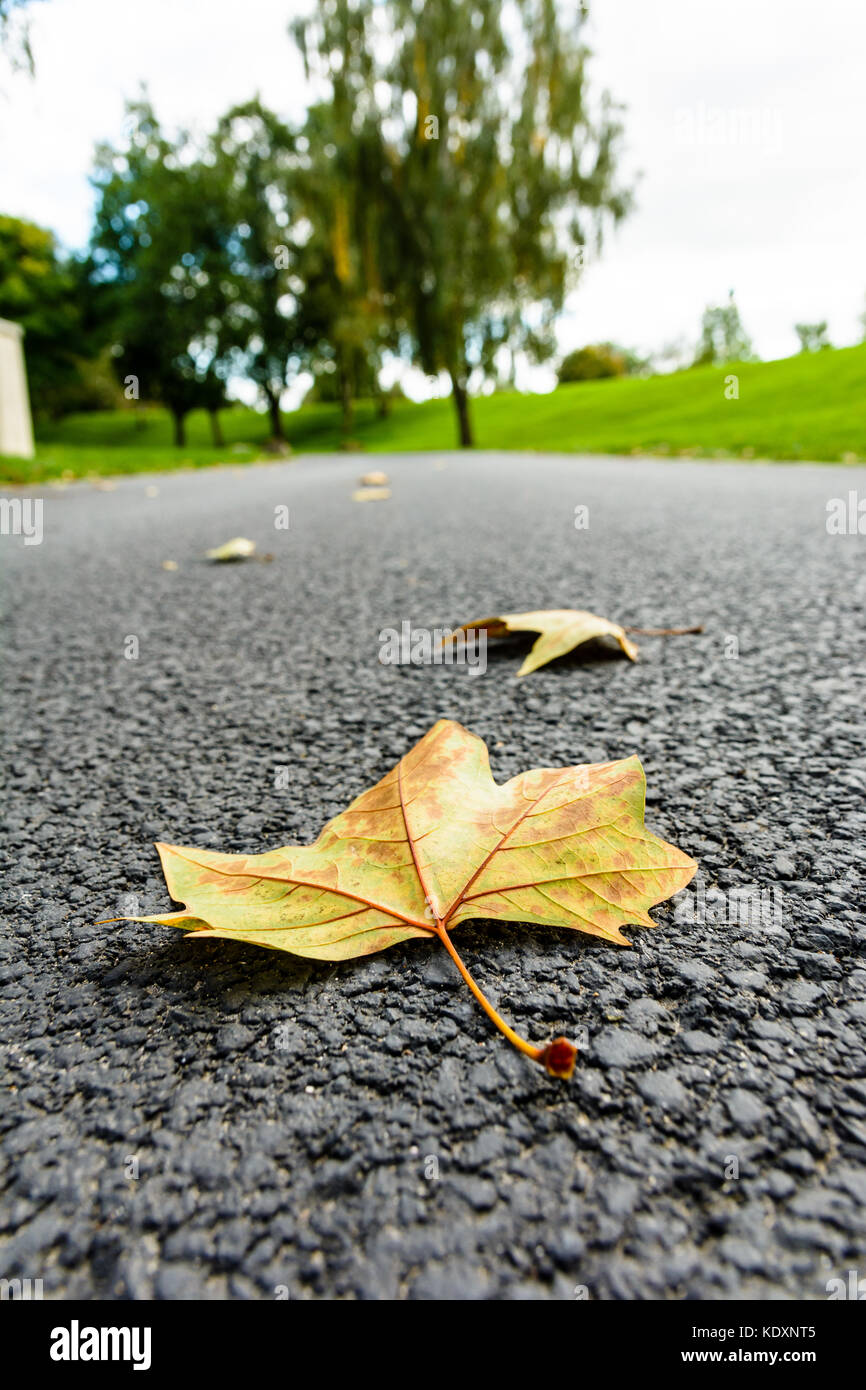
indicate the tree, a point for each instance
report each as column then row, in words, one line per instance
column 723, row 337
column 491, row 172
column 40, row 289
column 344, row 312
column 812, row 336
column 15, row 34
column 160, row 263
column 258, row 162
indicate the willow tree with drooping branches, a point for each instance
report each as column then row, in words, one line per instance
column 494, row 169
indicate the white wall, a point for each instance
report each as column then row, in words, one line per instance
column 16, row 429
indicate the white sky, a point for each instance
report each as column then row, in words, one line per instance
column 746, row 119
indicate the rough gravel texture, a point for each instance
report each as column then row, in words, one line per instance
column 360, row 1131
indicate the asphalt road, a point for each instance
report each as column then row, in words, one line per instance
column 223, row 1122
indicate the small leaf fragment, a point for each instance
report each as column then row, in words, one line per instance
column 374, row 479
column 371, row 494
column 238, row 548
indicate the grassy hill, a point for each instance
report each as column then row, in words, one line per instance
column 812, row 406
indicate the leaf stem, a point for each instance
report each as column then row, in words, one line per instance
column 558, row 1057
column 518, row 1042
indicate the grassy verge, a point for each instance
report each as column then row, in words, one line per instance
column 812, row 406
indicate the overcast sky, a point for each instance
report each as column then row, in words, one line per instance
column 746, row 120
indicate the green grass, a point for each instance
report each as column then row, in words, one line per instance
column 812, row 406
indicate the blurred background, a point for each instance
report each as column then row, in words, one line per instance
column 388, row 224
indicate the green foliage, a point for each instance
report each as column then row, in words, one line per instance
column 723, row 338
column 600, row 360
column 42, row 291
column 344, row 312
column 253, row 171
column 813, row 336
column 93, row 387
column 159, row 263
column 363, row 382
column 591, row 364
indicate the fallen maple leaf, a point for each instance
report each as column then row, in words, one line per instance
column 436, row 843
column 563, row 629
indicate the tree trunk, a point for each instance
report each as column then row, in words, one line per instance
column 179, row 417
column 274, row 413
column 346, row 404
column 383, row 405
column 216, row 429
column 461, row 405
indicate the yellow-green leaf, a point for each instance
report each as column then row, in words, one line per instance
column 435, row 843
column 238, row 548
column 562, row 629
